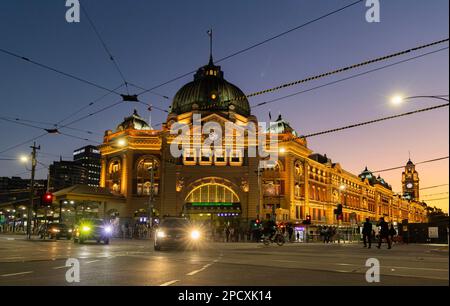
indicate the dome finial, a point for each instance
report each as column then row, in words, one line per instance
column 210, row 34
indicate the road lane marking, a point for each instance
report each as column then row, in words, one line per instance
column 199, row 270
column 92, row 261
column 169, row 283
column 61, row 267
column 14, row 274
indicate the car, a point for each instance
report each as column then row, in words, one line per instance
column 92, row 229
column 177, row 232
column 55, row 231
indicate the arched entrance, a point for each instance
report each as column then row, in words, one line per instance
column 212, row 199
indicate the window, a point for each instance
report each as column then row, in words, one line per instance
column 236, row 158
column 189, row 157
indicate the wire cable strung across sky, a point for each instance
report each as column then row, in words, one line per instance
column 432, row 187
column 111, row 57
column 307, row 80
column 258, row 44
column 419, row 163
column 57, row 71
column 348, row 78
column 373, row 121
column 439, row 199
column 339, row 70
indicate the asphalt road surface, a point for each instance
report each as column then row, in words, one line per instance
column 134, row 262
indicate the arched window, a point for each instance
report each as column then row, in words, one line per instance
column 212, row 193
column 113, row 177
column 145, row 167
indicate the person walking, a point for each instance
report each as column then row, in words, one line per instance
column 392, row 233
column 384, row 233
column 367, row 233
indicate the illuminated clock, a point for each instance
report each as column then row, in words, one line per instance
column 409, row 185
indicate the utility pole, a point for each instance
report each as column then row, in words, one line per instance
column 33, row 170
column 150, row 202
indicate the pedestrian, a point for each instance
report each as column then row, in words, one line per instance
column 291, row 232
column 323, row 233
column 298, row 236
column 384, row 233
column 392, row 232
column 367, row 233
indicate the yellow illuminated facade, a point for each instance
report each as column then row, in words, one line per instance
column 228, row 184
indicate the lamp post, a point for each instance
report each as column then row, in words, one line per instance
column 151, row 198
column 33, row 171
column 342, row 187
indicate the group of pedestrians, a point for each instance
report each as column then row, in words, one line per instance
column 385, row 233
column 328, row 234
column 138, row 230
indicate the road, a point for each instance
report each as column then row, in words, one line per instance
column 134, row 262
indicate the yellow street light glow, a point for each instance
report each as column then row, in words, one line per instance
column 121, row 142
column 86, row 228
column 23, row 158
column 282, row 150
column 342, row 187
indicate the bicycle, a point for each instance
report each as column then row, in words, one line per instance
column 277, row 238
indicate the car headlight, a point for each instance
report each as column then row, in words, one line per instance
column 108, row 229
column 55, row 230
column 195, row 234
column 70, row 230
column 160, row 234
column 85, row 228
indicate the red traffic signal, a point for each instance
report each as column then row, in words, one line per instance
column 48, row 198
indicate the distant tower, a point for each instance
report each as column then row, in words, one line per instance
column 410, row 181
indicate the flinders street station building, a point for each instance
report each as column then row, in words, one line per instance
column 141, row 177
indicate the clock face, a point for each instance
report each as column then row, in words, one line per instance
column 409, row 185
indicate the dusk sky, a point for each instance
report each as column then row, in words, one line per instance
column 155, row 41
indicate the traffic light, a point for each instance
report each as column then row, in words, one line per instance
column 47, row 198
column 307, row 220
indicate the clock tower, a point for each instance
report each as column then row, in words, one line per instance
column 410, row 181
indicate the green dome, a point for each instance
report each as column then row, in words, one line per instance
column 211, row 92
column 134, row 122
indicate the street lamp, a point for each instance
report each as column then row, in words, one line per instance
column 399, row 99
column 23, row 158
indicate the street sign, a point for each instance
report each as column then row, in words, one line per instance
column 433, row 232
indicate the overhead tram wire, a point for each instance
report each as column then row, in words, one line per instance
column 433, row 187
column 52, row 130
column 88, row 105
column 69, row 75
column 259, row 43
column 419, row 163
column 439, row 199
column 111, row 57
column 48, row 131
column 433, row 194
column 80, row 138
column 23, row 143
column 348, row 78
column 342, row 70
column 310, row 79
column 374, row 121
column 339, row 70
column 92, row 114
